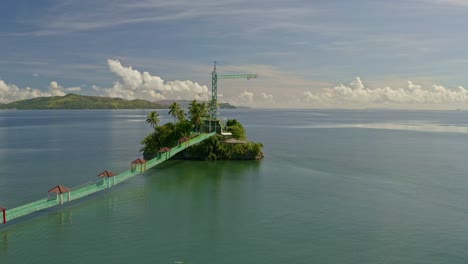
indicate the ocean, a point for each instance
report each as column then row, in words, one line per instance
column 335, row 186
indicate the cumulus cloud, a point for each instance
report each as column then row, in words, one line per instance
column 357, row 95
column 72, row 89
column 134, row 84
column 267, row 98
column 11, row 92
column 252, row 99
column 246, row 97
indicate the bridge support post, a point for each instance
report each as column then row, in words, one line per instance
column 4, row 215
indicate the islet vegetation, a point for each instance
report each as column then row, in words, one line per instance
column 188, row 124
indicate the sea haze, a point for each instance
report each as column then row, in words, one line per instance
column 335, row 186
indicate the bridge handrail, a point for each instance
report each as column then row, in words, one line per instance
column 92, row 187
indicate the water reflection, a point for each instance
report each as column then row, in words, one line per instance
column 34, row 225
column 408, row 126
column 5, row 242
column 61, row 217
column 196, row 175
column 203, row 194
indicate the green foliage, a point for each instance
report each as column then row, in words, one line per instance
column 74, row 101
column 213, row 148
column 236, row 128
column 174, row 110
column 151, row 146
column 164, row 136
column 197, row 111
column 226, row 106
column 181, row 116
column 184, row 128
column 232, row 122
column 153, row 119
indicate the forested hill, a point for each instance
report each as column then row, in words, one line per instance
column 75, row 101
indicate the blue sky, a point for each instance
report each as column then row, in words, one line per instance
column 303, row 50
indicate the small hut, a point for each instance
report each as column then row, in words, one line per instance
column 59, row 189
column 135, row 163
column 107, row 174
column 164, row 150
column 3, row 209
column 185, row 140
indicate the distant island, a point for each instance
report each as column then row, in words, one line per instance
column 75, row 101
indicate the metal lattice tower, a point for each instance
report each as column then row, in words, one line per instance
column 214, row 87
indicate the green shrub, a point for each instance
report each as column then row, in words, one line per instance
column 236, row 128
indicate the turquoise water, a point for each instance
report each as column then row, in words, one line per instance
column 335, row 186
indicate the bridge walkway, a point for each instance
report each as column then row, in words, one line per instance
column 95, row 186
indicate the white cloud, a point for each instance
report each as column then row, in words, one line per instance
column 285, row 87
column 356, row 95
column 251, row 99
column 72, row 89
column 135, row 84
column 267, row 98
column 11, row 92
column 246, row 98
column 55, row 89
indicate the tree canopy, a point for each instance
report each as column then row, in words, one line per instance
column 214, row 148
column 174, row 110
column 153, row 119
column 197, row 111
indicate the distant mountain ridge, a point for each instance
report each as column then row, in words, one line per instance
column 76, row 101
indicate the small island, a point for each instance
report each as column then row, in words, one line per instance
column 229, row 143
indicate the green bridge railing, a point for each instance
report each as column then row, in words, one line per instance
column 96, row 186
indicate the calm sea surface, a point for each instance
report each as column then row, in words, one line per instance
column 335, row 187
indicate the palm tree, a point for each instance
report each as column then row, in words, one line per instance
column 193, row 110
column 181, row 115
column 204, row 110
column 153, row 119
column 173, row 110
column 197, row 111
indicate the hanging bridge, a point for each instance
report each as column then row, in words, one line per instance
column 108, row 179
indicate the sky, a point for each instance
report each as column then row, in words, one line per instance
column 309, row 54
